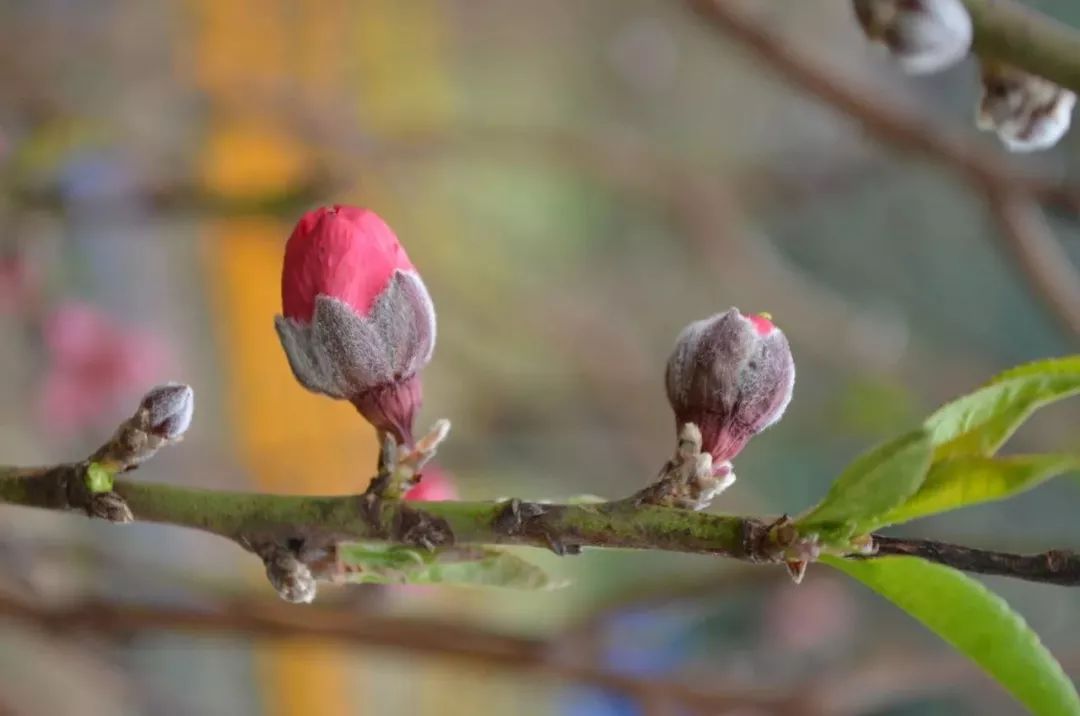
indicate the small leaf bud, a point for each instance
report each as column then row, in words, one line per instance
column 1027, row 112
column 924, row 36
column 169, row 408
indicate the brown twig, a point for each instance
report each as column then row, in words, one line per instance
column 894, row 125
column 886, row 120
column 1056, row 566
column 1039, row 255
column 879, row 679
column 433, row 637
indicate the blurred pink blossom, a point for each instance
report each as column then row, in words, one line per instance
column 18, row 283
column 436, row 486
column 95, row 367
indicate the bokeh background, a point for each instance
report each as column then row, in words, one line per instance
column 576, row 181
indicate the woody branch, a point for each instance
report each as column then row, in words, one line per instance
column 297, row 536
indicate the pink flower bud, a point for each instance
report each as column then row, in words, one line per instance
column 435, row 485
column 732, row 376
column 359, row 323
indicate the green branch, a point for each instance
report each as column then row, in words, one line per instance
column 299, row 538
column 256, row 517
column 310, row 527
column 1020, row 36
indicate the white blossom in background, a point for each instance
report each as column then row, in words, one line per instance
column 923, row 36
column 1027, row 112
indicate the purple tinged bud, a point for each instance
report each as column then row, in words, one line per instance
column 169, row 408
column 732, row 376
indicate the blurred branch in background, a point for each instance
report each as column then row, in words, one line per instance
column 710, row 215
column 1037, row 252
column 433, row 637
column 881, row 678
column 1055, row 282
column 710, row 211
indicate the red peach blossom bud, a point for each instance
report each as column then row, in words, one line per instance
column 732, row 376
column 435, row 485
column 923, row 35
column 169, row 409
column 359, row 323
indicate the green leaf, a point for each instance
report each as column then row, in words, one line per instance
column 969, row 480
column 383, row 558
column 98, row 478
column 871, row 486
column 376, row 563
column 978, row 424
column 976, row 622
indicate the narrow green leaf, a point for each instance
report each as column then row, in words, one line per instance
column 384, row 557
column 976, row 622
column 98, row 478
column 871, row 486
column 494, row 569
column 978, row 424
column 969, row 480
column 1065, row 366
column 377, row 563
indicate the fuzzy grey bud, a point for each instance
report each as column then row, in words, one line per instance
column 109, row 506
column 732, row 376
column 291, row 578
column 1027, row 112
column 923, row 35
column 169, row 408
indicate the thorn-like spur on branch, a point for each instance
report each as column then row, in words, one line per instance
column 520, row 519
